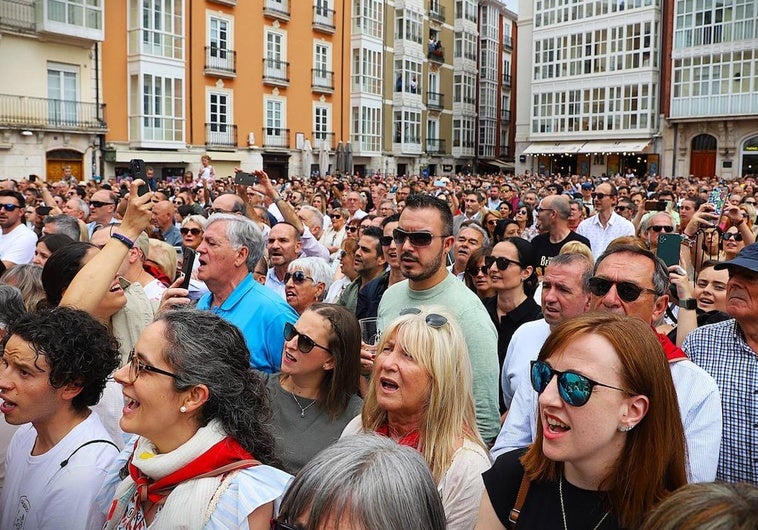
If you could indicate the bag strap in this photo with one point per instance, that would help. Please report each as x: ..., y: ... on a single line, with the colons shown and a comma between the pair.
x: 520, y: 498
x: 85, y: 444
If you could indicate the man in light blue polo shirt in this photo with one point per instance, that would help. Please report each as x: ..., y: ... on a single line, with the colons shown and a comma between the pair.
x: 231, y: 247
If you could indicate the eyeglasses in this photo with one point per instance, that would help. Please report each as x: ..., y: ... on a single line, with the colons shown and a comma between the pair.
x: 298, y: 277
x: 502, y: 263
x: 601, y: 196
x: 474, y: 271
x: 136, y: 366
x: 277, y: 524
x: 750, y: 202
x: 385, y: 241
x: 539, y: 209
x: 304, y: 343
x: 432, y: 319
x: 9, y: 207
x: 657, y: 229
x: 491, y: 222
x: 732, y: 235
x: 621, y: 208
x: 522, y: 212
x: 627, y: 291
x: 574, y: 389
x: 420, y: 238
x: 335, y: 216
x: 352, y: 228
x: 193, y: 231
x: 98, y: 204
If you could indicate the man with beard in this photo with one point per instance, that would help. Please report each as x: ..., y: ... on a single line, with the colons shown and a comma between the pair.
x: 370, y: 296
x: 423, y: 237
x: 17, y: 241
x: 369, y: 264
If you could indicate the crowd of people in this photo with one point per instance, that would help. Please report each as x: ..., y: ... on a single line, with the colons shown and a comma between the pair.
x: 379, y: 352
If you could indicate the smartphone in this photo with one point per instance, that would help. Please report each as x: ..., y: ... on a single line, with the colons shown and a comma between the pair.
x: 668, y: 248
x: 137, y: 169
x: 32, y: 178
x: 187, y: 263
x: 43, y: 210
x: 718, y: 198
x: 245, y: 179
x: 439, y: 184
x: 655, y: 206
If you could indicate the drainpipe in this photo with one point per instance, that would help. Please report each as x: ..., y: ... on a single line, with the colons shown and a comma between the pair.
x: 100, y: 117
x: 673, y: 157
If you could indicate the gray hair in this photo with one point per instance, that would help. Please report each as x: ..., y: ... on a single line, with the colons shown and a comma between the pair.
x: 65, y: 225
x: 660, y: 274
x: 317, y: 218
x: 28, y: 278
x: 317, y: 268
x: 242, y: 232
x: 571, y: 258
x: 11, y: 306
x: 647, y: 223
x: 476, y: 226
x: 199, y: 220
x: 365, y: 481
x: 82, y: 205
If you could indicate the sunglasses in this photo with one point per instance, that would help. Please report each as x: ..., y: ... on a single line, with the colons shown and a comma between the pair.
x: 304, y: 343
x: 621, y: 208
x: 136, y: 366
x: 277, y: 524
x: 522, y: 212
x: 298, y: 277
x: 657, y: 229
x: 474, y: 271
x: 601, y: 196
x: 574, y: 389
x: 750, y: 202
x: 432, y: 319
x: 732, y: 235
x: 385, y: 241
x: 98, y: 204
x: 627, y: 291
x: 335, y: 216
x: 502, y: 263
x: 492, y: 222
x: 9, y: 207
x: 352, y: 228
x: 539, y: 209
x: 193, y: 231
x: 419, y: 238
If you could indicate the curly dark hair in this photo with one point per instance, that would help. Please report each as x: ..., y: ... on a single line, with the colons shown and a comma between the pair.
x: 205, y: 349
x: 79, y: 349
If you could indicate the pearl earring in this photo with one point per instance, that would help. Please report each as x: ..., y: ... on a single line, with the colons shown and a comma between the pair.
x: 182, y: 409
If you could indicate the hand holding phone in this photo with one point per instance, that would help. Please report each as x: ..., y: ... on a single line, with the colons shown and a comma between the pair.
x: 188, y: 261
x: 245, y: 179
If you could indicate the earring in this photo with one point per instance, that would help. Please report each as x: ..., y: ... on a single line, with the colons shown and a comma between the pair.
x: 182, y: 409
x: 625, y: 428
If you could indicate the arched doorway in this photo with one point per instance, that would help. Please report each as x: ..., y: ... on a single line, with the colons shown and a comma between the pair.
x: 703, y: 156
x: 60, y: 158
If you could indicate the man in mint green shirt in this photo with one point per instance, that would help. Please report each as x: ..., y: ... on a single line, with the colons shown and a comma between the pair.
x: 426, y: 230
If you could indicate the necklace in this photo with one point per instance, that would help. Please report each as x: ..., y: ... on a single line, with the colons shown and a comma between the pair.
x: 302, y: 409
x: 563, y: 510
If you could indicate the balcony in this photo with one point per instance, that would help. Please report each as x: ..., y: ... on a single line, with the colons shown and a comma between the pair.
x: 323, y: 20
x: 505, y: 115
x: 322, y: 81
x: 220, y: 62
x: 221, y: 136
x: 436, y: 54
x: 508, y: 42
x: 75, y: 21
x: 435, y: 101
x: 276, y: 9
x: 435, y: 146
x: 506, y: 79
x: 53, y: 114
x: 276, y: 137
x: 18, y: 16
x: 276, y: 72
x: 437, y: 12
x: 320, y: 137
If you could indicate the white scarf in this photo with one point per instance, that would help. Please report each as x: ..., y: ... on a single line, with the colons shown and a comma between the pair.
x: 187, y: 507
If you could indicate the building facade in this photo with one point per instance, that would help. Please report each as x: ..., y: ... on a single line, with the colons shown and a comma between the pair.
x: 711, y: 104
x: 51, y: 107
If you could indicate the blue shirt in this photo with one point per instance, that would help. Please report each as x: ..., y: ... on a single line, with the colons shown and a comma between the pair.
x: 260, y: 314
x: 172, y: 236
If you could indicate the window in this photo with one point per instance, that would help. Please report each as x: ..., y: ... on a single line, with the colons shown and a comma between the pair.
x: 407, y: 126
x: 407, y: 76
x: 321, y: 63
x: 218, y: 108
x: 62, y: 91
x: 368, y: 17
x: 367, y: 124
x: 162, y: 28
x: 367, y: 71
x: 88, y: 14
x: 408, y: 25
x: 320, y: 122
x: 219, y: 37
x: 157, y: 104
x: 322, y: 8
x: 276, y: 66
x: 273, y: 117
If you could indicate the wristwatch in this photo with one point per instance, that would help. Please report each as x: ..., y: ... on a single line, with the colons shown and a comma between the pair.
x: 688, y: 303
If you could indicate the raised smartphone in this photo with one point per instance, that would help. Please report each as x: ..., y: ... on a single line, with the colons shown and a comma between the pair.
x: 668, y: 248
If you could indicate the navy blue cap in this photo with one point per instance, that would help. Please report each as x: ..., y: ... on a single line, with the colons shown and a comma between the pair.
x: 587, y: 185
x: 747, y: 258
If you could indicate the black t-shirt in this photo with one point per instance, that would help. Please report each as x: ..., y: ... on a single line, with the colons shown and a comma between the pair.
x: 542, y: 506
x: 546, y: 250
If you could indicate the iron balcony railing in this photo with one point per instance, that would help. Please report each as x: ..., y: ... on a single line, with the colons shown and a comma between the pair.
x: 276, y: 71
x: 320, y: 137
x: 25, y: 111
x: 277, y: 9
x: 221, y: 135
x: 437, y: 12
x: 322, y: 80
x: 276, y: 137
x: 220, y: 60
x: 435, y: 100
x: 323, y: 19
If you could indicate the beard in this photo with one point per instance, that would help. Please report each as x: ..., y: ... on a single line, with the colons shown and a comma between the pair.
x: 427, y: 270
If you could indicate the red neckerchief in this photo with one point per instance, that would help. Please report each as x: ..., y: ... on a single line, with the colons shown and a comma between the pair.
x: 227, y: 451
x: 157, y: 273
x: 411, y: 439
x: 673, y: 352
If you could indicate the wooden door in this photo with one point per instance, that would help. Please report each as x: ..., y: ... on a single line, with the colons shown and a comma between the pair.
x: 703, y: 164
x: 54, y: 170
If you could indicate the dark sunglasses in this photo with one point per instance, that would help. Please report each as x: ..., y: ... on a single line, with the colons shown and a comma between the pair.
x: 574, y: 389
x: 335, y: 216
x: 304, y: 343
x: 491, y: 222
x: 277, y: 524
x: 98, y: 204
x: 9, y: 207
x: 432, y: 319
x: 522, y: 212
x: 352, y: 228
x: 621, y: 208
x: 474, y: 271
x: 298, y: 277
x: 193, y: 231
x: 601, y: 196
x: 732, y: 235
x: 385, y: 241
x: 657, y: 228
x: 627, y: 291
x: 419, y: 238
x: 502, y: 263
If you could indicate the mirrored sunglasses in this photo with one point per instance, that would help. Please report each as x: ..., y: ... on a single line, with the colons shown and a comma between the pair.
x: 575, y: 389
x: 298, y: 277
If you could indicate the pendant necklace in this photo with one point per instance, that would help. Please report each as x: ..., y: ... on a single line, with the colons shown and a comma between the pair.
x: 563, y: 510
x: 302, y: 409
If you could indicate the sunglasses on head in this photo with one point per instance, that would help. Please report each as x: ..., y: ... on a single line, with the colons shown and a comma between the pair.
x: 574, y: 389
x: 193, y: 231
x: 304, y: 343
x: 432, y: 319
x: 732, y: 235
x: 601, y: 196
x: 657, y: 229
x: 9, y: 207
x: 627, y: 291
x: 501, y: 263
x: 420, y: 238
x: 474, y: 271
x: 98, y: 204
x: 298, y: 277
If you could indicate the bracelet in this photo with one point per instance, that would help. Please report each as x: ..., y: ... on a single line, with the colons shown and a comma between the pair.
x: 125, y: 240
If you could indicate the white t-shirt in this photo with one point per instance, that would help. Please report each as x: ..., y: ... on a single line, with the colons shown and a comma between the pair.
x: 17, y: 246
x: 40, y: 494
x: 154, y: 290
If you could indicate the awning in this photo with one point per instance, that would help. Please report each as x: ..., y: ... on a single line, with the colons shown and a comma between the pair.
x: 554, y: 148
x: 619, y: 146
x: 498, y: 163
